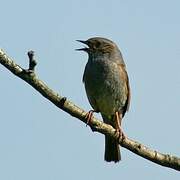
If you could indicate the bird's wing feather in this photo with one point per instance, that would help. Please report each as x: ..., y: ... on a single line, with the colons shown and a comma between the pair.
x: 126, y: 80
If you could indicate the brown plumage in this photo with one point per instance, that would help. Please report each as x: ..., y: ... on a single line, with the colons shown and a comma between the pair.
x: 107, y: 88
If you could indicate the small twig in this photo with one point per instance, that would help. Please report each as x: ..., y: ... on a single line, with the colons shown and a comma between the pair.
x: 62, y: 101
x: 69, y: 107
x: 32, y: 61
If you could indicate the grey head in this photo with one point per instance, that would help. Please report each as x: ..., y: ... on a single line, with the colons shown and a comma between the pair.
x: 98, y: 46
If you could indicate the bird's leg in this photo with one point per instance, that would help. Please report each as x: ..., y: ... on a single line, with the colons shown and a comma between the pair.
x: 89, y: 116
x: 118, y: 120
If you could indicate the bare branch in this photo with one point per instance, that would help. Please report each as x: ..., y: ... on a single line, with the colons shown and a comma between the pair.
x: 31, y: 78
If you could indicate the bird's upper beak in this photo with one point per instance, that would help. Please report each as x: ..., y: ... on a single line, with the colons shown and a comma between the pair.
x: 85, y: 48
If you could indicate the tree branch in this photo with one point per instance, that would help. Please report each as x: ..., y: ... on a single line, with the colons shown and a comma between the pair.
x: 31, y: 78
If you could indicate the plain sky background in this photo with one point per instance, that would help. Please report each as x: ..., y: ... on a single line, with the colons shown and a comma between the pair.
x: 39, y: 141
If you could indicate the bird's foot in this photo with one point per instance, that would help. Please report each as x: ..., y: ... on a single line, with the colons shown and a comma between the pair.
x: 119, y: 133
x: 89, y: 116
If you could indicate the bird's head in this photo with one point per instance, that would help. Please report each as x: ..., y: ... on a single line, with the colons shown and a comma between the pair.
x: 98, y: 45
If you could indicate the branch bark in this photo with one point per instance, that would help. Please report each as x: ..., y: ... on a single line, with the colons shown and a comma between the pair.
x: 31, y: 78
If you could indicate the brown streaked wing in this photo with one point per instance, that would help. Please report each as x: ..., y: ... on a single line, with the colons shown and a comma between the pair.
x: 126, y: 79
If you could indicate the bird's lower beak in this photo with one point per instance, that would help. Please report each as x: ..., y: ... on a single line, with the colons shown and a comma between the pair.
x: 82, y: 49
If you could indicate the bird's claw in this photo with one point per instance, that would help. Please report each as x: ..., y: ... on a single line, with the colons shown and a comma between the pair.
x: 120, y: 134
x: 89, y: 116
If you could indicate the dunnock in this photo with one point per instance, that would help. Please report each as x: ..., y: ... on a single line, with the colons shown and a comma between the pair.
x: 107, y: 87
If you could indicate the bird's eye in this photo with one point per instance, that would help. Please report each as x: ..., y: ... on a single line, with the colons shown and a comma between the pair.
x: 97, y: 44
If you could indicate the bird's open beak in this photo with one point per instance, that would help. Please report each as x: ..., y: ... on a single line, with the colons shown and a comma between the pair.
x: 85, y: 48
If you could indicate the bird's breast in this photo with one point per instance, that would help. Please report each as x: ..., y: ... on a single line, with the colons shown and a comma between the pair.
x: 104, y: 86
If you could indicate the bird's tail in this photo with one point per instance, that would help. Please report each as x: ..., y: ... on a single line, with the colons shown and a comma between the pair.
x: 112, y: 148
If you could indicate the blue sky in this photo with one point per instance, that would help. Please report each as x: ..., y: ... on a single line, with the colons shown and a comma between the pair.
x: 39, y: 141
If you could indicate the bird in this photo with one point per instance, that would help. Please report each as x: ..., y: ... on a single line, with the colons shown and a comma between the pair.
x: 107, y: 87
